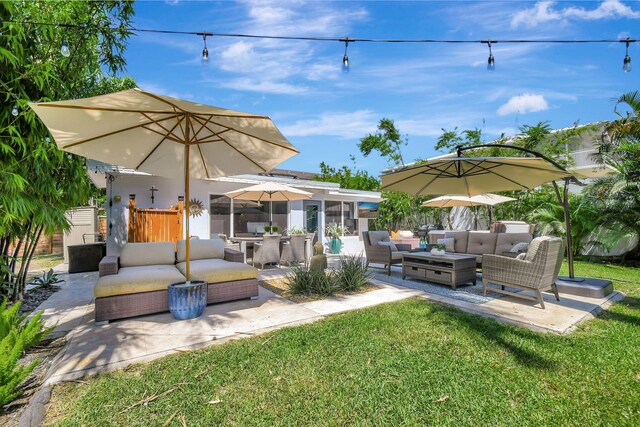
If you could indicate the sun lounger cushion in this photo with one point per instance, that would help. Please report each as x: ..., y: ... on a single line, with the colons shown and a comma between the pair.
x: 133, y: 280
x: 218, y: 270
x: 154, y: 253
x: 201, y: 249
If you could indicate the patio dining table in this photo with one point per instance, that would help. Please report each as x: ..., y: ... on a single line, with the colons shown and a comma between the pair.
x: 246, y: 242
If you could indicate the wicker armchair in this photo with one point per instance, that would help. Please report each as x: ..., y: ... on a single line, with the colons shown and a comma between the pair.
x: 381, y: 253
x: 537, y: 271
x: 267, y: 251
x: 295, y: 250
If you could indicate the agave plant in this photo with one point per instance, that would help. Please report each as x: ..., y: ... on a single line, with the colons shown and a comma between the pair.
x: 47, y: 279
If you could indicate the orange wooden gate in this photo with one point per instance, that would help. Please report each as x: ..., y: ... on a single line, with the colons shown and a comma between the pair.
x: 155, y: 225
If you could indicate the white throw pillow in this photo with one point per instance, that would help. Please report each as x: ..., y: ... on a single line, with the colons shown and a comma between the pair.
x: 449, y: 244
x: 405, y: 234
x: 520, y: 247
x: 522, y: 255
x: 392, y: 245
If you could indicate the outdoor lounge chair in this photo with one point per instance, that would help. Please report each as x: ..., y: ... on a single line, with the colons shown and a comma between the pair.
x: 537, y: 271
x: 379, y: 248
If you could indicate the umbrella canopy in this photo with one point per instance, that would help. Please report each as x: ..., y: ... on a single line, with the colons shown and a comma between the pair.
x: 452, y: 200
x: 165, y: 136
x: 472, y: 176
x: 269, y: 191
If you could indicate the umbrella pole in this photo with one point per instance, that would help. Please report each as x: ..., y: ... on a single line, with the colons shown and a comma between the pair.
x: 564, y: 201
x: 186, y: 194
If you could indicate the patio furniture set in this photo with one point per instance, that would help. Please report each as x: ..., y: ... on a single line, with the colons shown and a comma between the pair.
x: 496, y: 253
x: 275, y: 248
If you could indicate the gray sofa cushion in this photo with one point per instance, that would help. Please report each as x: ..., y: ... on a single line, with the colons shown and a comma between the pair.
x: 506, y: 241
x: 481, y: 243
x: 461, y: 239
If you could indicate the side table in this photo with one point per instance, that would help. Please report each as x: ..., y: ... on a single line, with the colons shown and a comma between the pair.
x: 187, y: 300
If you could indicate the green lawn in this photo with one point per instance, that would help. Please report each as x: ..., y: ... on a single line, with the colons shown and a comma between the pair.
x: 405, y: 363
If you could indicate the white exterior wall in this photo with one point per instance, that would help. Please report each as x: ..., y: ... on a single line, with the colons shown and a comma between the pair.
x: 169, y: 190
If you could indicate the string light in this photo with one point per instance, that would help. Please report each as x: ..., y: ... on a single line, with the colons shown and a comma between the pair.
x: 64, y: 49
x: 15, y: 111
x: 491, y: 62
x: 626, y: 65
x: 205, y: 51
x: 345, y: 58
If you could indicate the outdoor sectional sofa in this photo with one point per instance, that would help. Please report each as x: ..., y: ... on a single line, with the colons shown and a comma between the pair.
x: 136, y: 282
x: 480, y: 243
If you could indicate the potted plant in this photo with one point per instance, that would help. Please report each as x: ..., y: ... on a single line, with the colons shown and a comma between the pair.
x: 438, y: 249
x: 267, y: 229
x: 274, y: 229
x: 334, y: 231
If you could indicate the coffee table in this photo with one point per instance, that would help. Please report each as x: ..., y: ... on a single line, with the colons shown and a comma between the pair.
x: 448, y: 269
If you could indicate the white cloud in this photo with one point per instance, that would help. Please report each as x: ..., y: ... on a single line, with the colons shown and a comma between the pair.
x: 522, y: 104
x: 545, y: 12
x: 344, y: 124
x: 263, y: 86
x: 274, y: 63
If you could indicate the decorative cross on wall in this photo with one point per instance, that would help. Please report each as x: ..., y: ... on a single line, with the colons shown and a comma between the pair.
x: 153, y: 189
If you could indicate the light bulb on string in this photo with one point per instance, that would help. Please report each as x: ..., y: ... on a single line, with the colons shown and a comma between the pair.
x: 626, y: 64
x: 205, y: 51
x: 491, y: 62
x: 14, y: 111
x: 345, y: 58
x: 64, y: 49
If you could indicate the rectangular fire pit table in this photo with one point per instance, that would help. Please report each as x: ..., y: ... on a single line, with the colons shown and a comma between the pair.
x: 448, y: 269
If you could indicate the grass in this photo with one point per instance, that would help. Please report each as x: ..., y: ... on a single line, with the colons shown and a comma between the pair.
x: 408, y: 363
x: 42, y: 263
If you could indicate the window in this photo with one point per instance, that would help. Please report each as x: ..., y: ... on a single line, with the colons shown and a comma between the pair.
x: 250, y: 217
x: 349, y: 219
x: 219, y: 215
x: 332, y: 212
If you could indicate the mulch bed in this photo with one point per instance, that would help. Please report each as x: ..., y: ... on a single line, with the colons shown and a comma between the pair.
x: 281, y: 287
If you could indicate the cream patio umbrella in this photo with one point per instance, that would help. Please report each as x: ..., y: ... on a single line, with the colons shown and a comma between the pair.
x: 166, y: 136
x: 269, y: 191
x: 487, y: 199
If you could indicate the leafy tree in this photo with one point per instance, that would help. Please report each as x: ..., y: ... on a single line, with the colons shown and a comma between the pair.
x: 348, y: 178
x: 452, y: 139
x: 38, y: 182
x: 387, y: 142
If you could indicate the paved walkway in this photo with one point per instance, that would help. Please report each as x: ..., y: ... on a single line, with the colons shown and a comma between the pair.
x: 92, y: 349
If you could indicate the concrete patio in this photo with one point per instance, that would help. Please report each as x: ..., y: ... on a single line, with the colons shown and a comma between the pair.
x: 92, y: 349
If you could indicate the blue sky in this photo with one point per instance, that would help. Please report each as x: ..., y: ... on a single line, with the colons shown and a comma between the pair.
x: 422, y: 87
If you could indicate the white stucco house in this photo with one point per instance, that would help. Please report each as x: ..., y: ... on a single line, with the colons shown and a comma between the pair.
x: 221, y: 215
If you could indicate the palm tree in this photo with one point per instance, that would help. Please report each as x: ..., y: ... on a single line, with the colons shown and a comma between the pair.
x: 619, y: 194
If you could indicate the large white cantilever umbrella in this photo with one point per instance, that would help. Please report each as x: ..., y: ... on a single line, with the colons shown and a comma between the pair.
x: 166, y: 136
x: 269, y: 191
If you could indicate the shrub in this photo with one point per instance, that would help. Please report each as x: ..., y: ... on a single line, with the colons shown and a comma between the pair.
x: 16, y: 336
x: 302, y: 280
x: 353, y: 273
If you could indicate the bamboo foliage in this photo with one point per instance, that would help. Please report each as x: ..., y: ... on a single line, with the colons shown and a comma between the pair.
x: 38, y: 182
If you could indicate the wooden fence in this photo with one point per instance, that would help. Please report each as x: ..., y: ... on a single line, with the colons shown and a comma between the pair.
x: 155, y: 225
